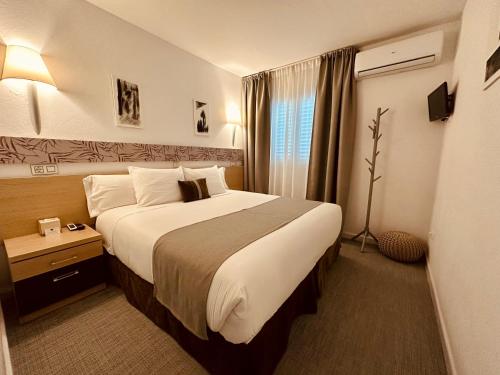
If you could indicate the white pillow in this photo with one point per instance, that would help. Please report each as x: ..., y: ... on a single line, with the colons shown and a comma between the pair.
x: 108, y: 191
x: 212, y: 175
x: 222, y: 172
x: 156, y: 186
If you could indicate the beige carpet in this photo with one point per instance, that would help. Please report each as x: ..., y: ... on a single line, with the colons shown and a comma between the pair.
x: 375, y: 317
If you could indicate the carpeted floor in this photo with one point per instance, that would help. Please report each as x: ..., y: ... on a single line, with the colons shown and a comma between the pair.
x: 375, y: 317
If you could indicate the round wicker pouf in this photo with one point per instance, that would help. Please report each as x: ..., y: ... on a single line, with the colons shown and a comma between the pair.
x: 401, y: 246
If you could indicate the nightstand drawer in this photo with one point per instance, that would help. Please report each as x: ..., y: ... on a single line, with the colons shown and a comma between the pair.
x: 38, y: 265
x: 40, y: 291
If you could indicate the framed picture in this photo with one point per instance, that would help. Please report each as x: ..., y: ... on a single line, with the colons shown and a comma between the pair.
x: 492, y: 72
x: 126, y: 102
x: 201, y: 117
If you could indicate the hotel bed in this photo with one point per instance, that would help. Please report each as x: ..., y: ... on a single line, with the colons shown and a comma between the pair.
x: 254, y: 295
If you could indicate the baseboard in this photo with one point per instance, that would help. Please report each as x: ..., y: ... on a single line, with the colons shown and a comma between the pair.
x: 445, y: 341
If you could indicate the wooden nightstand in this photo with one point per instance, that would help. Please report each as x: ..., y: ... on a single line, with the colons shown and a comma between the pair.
x: 52, y: 271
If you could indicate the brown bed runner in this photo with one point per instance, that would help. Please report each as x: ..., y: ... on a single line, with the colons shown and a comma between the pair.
x: 185, y: 260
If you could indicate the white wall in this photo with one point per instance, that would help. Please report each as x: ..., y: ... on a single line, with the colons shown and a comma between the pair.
x: 83, y: 46
x: 464, y: 256
x: 409, y: 148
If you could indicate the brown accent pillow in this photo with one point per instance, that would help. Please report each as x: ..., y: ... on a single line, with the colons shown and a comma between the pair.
x: 194, y: 190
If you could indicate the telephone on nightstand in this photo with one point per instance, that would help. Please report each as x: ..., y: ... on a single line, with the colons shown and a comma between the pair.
x: 72, y: 226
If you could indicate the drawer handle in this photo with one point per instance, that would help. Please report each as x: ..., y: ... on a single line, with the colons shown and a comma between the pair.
x: 65, y: 276
x: 55, y: 262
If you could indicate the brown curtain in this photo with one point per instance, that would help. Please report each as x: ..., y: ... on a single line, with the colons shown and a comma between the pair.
x: 333, y: 128
x: 257, y: 127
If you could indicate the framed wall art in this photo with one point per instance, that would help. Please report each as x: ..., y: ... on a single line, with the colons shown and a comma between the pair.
x: 126, y: 102
x: 201, y: 117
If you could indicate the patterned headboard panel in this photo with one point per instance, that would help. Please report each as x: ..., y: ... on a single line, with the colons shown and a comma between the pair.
x: 17, y: 150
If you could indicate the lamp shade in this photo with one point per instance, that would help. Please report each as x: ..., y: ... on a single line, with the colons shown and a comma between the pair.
x: 25, y: 63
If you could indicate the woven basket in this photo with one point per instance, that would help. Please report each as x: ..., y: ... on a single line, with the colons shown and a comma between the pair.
x: 401, y: 246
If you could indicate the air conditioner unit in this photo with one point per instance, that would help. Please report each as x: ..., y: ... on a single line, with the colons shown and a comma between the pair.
x: 414, y: 53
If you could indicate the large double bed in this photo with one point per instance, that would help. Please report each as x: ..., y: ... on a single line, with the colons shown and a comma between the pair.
x: 254, y: 295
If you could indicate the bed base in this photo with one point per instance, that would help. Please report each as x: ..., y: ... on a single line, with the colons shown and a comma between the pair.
x: 218, y: 356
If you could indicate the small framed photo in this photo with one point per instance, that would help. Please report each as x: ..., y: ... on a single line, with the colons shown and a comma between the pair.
x: 127, y: 103
x: 492, y: 72
x: 201, y: 117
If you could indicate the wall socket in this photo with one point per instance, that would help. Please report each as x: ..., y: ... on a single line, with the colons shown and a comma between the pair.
x: 43, y: 169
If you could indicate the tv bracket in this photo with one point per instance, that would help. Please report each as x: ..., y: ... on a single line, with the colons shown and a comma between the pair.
x: 451, y: 106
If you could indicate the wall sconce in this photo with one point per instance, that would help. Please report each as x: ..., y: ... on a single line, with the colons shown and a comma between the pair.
x: 235, y: 127
x: 25, y: 63
x: 233, y: 117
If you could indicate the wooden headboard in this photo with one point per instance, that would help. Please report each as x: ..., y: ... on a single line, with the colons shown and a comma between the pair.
x: 23, y: 201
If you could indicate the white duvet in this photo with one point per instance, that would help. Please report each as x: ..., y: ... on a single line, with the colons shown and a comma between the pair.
x: 252, y: 284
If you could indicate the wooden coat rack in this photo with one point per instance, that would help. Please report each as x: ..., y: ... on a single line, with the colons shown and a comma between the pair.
x: 376, y: 135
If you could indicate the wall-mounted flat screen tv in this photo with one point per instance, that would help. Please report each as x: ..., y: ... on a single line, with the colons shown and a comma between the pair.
x: 440, y: 103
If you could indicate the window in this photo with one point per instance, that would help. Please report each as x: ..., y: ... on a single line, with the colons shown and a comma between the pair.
x: 305, y: 128
x: 293, y: 94
x: 291, y: 128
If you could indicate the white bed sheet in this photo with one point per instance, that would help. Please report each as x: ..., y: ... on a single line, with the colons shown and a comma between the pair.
x: 252, y: 284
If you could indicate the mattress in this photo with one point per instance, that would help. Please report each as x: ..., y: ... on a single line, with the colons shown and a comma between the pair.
x: 253, y: 283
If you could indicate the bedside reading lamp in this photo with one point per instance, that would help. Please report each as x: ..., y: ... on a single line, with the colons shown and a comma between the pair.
x: 25, y: 63
x: 233, y: 118
x: 235, y: 128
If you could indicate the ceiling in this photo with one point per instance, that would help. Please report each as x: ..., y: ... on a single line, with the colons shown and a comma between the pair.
x: 245, y: 37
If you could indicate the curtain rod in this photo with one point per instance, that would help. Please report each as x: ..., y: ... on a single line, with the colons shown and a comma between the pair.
x: 293, y: 63
x: 296, y: 62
